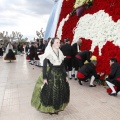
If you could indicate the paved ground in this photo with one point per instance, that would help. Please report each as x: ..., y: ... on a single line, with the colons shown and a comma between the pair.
x: 17, y: 80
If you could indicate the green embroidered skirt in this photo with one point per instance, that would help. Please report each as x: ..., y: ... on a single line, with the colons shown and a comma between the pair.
x: 53, y: 97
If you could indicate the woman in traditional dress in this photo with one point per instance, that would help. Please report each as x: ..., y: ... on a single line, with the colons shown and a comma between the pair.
x: 51, y: 92
x: 9, y: 53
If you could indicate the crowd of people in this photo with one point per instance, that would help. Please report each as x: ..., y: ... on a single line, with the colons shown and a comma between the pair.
x: 33, y: 50
x: 61, y: 62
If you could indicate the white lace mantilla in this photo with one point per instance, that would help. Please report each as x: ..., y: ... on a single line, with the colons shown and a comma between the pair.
x: 51, y: 56
x: 54, y: 59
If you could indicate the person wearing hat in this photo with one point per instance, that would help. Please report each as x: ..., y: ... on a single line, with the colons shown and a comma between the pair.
x: 88, y: 71
x: 67, y: 52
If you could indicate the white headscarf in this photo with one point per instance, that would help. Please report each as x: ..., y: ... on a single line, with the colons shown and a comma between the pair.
x: 9, y: 46
x: 49, y: 54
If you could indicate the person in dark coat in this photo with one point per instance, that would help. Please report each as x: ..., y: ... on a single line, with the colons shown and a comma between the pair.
x: 36, y: 54
x: 18, y: 48
x: 61, y: 43
x: 41, y: 47
x: 114, y: 77
x: 26, y: 48
x: 88, y: 71
x: 76, y: 49
x: 32, y: 53
x: 67, y: 51
x: 45, y: 43
x: 81, y: 57
x: 21, y: 49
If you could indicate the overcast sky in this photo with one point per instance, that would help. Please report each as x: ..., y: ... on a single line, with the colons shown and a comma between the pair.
x: 24, y: 16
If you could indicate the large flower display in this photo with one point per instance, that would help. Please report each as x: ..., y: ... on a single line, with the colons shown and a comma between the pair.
x: 98, y: 27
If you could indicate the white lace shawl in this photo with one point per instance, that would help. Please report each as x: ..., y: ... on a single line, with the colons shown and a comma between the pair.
x: 9, y: 46
x: 51, y: 56
x: 54, y: 59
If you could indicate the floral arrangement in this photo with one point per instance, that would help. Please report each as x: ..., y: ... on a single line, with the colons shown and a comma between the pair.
x: 79, y: 3
x: 85, y: 4
x: 98, y: 27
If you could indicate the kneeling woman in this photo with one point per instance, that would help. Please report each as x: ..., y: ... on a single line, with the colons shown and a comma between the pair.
x: 9, y: 53
x: 51, y: 92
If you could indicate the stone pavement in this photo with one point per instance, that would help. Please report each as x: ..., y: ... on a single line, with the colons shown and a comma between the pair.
x: 17, y: 80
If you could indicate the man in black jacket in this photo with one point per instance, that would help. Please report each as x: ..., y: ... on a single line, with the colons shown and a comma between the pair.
x: 76, y: 49
x: 81, y: 57
x: 32, y: 53
x: 88, y: 71
x: 114, y: 77
x: 67, y: 51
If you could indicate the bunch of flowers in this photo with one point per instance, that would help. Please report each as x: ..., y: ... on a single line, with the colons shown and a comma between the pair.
x: 98, y: 27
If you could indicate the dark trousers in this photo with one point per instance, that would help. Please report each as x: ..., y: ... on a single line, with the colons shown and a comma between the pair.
x: 32, y: 55
x: 68, y: 64
x: 78, y: 64
x: 73, y: 62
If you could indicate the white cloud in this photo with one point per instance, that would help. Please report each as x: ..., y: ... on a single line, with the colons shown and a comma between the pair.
x: 24, y: 16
